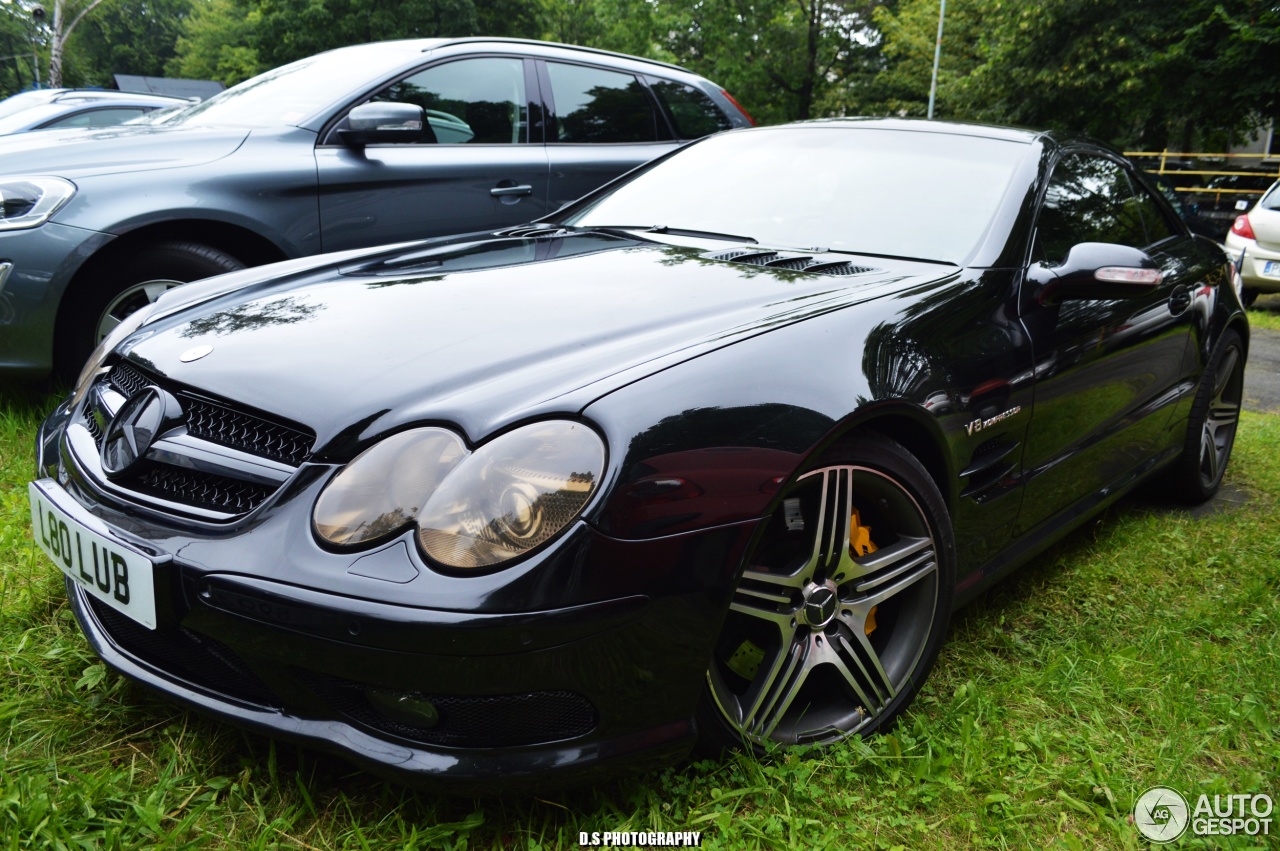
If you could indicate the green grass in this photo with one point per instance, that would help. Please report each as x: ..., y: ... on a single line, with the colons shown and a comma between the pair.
x: 1145, y: 650
x: 1265, y: 312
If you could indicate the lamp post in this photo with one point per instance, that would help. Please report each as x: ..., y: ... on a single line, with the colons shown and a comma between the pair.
x: 37, y: 16
x: 937, y: 55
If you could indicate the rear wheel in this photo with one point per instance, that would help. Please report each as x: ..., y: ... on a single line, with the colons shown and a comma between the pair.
x: 137, y: 282
x: 840, y: 614
x: 1211, y: 428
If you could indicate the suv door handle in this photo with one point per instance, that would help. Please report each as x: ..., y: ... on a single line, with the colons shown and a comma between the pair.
x: 507, y: 191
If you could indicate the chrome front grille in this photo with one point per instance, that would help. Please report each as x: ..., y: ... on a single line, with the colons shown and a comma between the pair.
x: 217, y: 462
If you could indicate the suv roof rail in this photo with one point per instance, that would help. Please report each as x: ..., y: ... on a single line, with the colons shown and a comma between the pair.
x: 538, y: 42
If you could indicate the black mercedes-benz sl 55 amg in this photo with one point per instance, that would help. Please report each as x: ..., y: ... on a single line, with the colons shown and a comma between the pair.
x: 708, y: 456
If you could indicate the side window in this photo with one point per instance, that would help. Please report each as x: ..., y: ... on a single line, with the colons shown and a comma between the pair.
x: 1088, y: 200
x: 97, y: 117
x: 695, y: 115
x: 593, y: 105
x: 1157, y: 224
x: 471, y: 101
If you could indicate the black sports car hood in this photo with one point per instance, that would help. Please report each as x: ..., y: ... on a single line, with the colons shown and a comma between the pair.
x: 81, y: 153
x: 483, y: 334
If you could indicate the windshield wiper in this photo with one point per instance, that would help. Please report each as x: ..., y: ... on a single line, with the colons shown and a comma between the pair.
x: 627, y: 231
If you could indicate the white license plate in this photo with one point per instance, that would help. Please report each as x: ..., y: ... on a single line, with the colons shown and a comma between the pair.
x: 122, y: 578
x: 1272, y: 267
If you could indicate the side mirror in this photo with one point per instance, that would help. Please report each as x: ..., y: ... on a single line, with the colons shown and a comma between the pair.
x: 1097, y: 270
x: 375, y: 123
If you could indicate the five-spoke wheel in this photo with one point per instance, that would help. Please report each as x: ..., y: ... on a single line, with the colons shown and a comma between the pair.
x: 1211, y: 428
x: 839, y: 614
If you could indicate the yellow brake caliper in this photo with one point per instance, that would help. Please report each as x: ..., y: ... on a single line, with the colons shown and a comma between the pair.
x: 860, y: 544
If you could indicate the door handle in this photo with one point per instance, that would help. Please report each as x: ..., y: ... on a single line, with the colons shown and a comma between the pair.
x: 1179, y: 299
x: 508, y: 191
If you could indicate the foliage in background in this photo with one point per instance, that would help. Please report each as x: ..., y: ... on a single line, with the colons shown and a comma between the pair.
x: 1136, y: 73
x: 217, y: 43
x: 783, y: 59
x: 17, y: 36
x: 124, y: 37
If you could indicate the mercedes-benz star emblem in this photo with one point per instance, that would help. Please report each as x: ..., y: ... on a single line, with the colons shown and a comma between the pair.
x: 148, y: 413
x: 820, y: 607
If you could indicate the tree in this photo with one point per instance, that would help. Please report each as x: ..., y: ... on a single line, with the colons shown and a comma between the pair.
x: 1137, y: 73
x: 125, y: 37
x: 231, y: 40
x: 60, y: 29
x: 783, y: 58
x: 217, y: 42
x: 18, y: 68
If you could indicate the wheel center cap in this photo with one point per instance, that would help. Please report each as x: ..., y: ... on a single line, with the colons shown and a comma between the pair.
x: 820, y: 605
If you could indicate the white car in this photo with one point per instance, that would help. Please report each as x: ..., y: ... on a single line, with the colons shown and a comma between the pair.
x: 1256, y: 235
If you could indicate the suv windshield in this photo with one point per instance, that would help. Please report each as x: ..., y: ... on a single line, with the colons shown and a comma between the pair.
x: 288, y: 94
x: 859, y: 190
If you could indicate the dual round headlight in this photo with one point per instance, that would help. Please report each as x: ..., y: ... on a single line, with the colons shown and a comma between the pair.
x: 471, y: 509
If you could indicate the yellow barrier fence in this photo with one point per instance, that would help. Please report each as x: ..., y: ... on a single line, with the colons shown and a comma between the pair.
x: 1176, y: 164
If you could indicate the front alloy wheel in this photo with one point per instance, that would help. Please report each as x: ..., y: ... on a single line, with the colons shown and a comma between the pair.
x: 1212, y: 425
x: 840, y: 613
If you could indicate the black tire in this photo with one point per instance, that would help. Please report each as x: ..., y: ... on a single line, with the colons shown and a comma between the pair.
x: 1248, y: 296
x: 125, y: 288
x: 818, y: 645
x: 1211, y: 427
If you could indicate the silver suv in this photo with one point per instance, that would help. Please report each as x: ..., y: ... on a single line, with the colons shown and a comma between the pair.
x: 377, y: 143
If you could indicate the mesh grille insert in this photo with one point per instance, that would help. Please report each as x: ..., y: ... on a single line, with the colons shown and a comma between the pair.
x: 220, y: 424
x: 206, y: 490
x: 127, y: 380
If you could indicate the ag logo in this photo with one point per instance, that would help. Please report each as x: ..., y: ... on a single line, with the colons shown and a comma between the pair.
x: 139, y: 421
x: 1161, y: 814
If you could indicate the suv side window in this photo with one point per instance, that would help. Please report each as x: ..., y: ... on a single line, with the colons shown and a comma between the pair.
x: 694, y: 114
x: 1088, y: 200
x: 97, y: 117
x: 470, y: 101
x: 594, y: 105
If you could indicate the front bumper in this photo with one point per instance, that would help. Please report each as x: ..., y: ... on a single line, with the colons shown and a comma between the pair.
x: 600, y: 674
x: 44, y: 259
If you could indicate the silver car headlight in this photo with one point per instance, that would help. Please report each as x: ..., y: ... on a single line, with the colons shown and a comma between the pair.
x: 381, y: 492
x: 475, y: 510
x: 28, y: 202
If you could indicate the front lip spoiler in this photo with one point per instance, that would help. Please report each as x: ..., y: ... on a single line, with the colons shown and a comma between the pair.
x: 455, y: 772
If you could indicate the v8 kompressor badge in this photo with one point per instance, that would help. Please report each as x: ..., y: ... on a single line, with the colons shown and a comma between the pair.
x: 979, y: 424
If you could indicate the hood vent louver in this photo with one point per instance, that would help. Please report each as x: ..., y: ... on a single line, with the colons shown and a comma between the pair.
x: 821, y: 264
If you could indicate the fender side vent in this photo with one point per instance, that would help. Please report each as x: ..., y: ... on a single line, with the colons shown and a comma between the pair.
x: 990, y: 463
